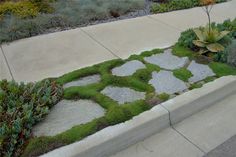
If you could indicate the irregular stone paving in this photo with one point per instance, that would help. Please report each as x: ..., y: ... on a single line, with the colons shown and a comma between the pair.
x: 199, y: 71
x: 67, y: 114
x: 166, y: 82
x: 167, y: 60
x: 123, y: 94
x: 84, y: 81
x: 129, y: 68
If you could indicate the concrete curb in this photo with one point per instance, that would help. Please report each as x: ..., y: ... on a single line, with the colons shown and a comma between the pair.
x: 196, y: 100
x: 115, y: 138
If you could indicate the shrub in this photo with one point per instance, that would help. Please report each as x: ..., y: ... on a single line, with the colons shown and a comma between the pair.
x: 231, y: 53
x: 23, y: 9
x: 21, y: 107
x: 186, y: 39
x: 176, y: 5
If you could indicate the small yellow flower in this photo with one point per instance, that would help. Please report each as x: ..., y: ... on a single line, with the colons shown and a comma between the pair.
x: 207, y: 2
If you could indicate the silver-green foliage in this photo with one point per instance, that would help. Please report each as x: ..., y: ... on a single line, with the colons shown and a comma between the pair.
x: 21, y: 107
x: 231, y: 52
x: 67, y: 13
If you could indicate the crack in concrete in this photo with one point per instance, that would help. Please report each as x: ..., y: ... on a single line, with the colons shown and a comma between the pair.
x: 157, y: 20
x: 8, y: 66
x: 172, y: 126
x: 101, y: 44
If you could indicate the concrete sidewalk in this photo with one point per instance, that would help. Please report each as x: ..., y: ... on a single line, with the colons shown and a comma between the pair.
x: 194, y: 136
x: 54, y: 54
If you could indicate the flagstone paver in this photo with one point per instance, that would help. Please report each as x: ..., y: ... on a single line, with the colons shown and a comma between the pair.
x: 84, y: 81
x: 199, y: 71
x: 128, y: 68
x: 165, y: 82
x: 67, y: 114
x: 123, y: 94
x: 167, y: 60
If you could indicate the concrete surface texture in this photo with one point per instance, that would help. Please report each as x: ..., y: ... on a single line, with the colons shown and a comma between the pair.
x: 123, y: 94
x: 167, y: 60
x: 194, y: 136
x: 54, y: 54
x: 129, y: 68
x: 83, y: 81
x: 67, y: 114
x: 4, y: 69
x: 227, y: 149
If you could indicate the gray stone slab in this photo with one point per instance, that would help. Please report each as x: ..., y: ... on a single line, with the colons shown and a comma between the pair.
x: 123, y: 94
x: 227, y: 149
x: 167, y: 60
x: 84, y: 81
x: 199, y: 71
x: 166, y: 82
x: 128, y: 68
x: 67, y: 114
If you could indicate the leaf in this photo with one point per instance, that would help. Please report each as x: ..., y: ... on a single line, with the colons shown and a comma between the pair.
x: 202, y: 51
x: 222, y: 34
x: 215, y: 47
x: 199, y: 34
x: 199, y: 43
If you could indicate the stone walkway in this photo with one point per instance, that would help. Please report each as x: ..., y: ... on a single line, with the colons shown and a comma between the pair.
x: 67, y: 114
x: 55, y: 54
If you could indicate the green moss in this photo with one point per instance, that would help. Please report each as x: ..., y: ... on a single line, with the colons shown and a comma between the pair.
x: 77, y: 74
x: 40, y: 145
x: 182, y: 74
x: 209, y: 79
x: 221, y: 69
x: 164, y: 96
x: 182, y: 51
x: 195, y: 85
x: 136, y: 108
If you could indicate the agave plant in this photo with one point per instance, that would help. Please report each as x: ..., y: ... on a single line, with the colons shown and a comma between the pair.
x: 209, y: 40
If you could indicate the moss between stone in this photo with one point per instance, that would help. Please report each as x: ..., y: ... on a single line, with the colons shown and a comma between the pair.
x: 181, y: 51
x: 182, y: 74
x: 221, y: 69
x: 164, y: 96
x: 115, y: 113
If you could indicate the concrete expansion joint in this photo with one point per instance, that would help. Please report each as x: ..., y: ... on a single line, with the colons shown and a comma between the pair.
x: 8, y: 66
x: 172, y: 126
x: 156, y: 20
x: 188, y: 140
x: 101, y: 44
x: 168, y: 113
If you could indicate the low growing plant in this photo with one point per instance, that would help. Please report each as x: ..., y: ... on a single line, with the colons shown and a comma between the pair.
x: 209, y: 40
x: 21, y: 107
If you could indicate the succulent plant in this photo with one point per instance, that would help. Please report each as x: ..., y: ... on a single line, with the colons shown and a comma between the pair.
x: 209, y: 41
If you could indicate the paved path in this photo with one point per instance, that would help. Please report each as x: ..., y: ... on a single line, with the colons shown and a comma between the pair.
x: 54, y: 54
x: 227, y: 149
x: 194, y: 136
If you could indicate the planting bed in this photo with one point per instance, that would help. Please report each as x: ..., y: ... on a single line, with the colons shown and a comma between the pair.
x: 121, y: 97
